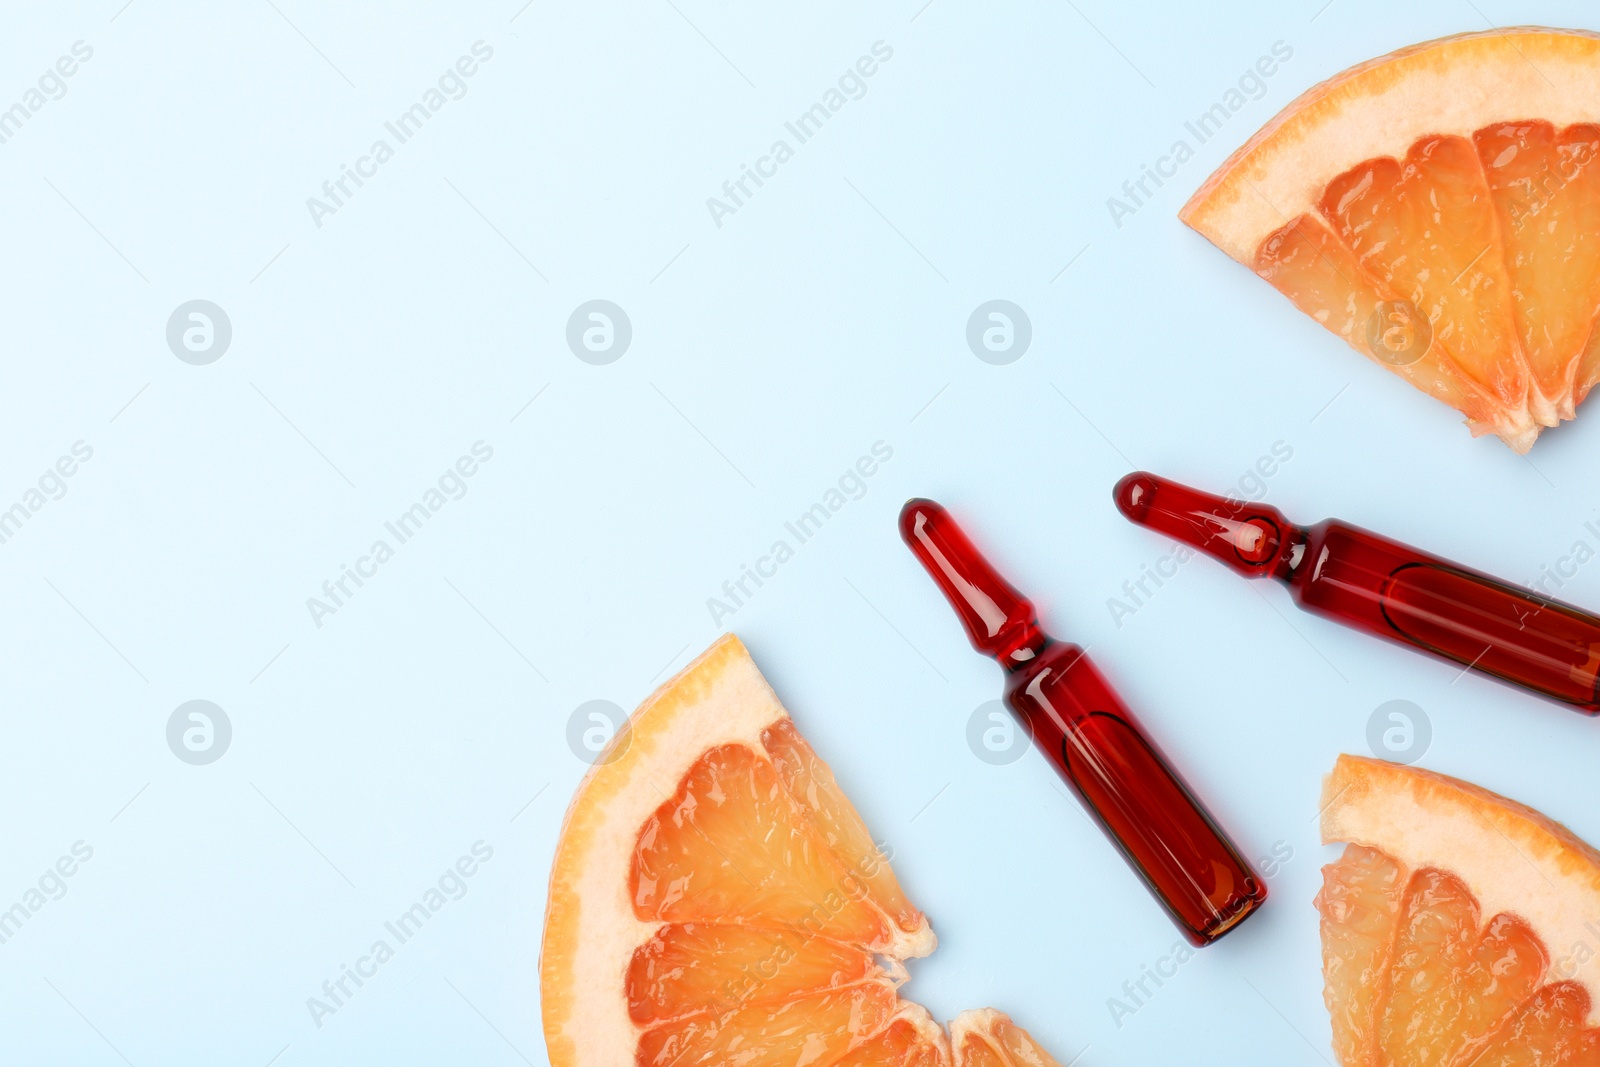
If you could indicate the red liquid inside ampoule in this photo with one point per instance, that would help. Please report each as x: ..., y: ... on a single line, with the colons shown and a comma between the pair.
x: 1092, y: 739
x: 1387, y: 588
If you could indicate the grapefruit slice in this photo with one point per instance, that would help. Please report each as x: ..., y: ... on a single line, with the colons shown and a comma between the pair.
x: 716, y: 899
x: 1439, y: 209
x: 1458, y: 927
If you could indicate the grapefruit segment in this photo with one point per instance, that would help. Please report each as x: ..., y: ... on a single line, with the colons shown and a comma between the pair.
x: 811, y: 783
x: 912, y: 1039
x: 983, y: 1037
x: 816, y: 1028
x: 1430, y: 964
x: 1508, y: 963
x: 1320, y: 273
x: 717, y: 899
x: 698, y: 859
x: 1546, y: 1029
x: 1423, y: 228
x: 1437, y: 924
x: 1359, y: 901
x: 1588, y: 367
x: 1447, y: 194
x: 1545, y: 187
x: 698, y: 967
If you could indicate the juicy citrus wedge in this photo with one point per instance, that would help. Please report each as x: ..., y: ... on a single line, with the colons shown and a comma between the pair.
x: 1458, y: 927
x: 1439, y: 209
x: 716, y: 899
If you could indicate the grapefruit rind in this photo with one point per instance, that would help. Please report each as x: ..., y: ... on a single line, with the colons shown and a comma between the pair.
x: 1455, y: 85
x: 1512, y: 858
x: 591, y: 929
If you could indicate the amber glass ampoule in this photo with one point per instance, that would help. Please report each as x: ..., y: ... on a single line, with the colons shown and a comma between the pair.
x: 1092, y: 739
x: 1386, y: 588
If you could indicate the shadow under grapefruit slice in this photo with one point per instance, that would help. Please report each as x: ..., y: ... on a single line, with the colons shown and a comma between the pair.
x: 1439, y: 209
x: 1459, y: 928
x: 716, y: 899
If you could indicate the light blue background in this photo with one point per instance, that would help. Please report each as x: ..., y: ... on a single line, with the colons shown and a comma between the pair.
x: 768, y: 354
